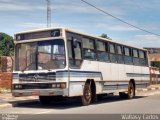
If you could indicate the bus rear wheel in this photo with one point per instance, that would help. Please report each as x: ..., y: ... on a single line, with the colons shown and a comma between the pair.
x: 131, y: 90
x: 87, y: 94
x: 45, y: 100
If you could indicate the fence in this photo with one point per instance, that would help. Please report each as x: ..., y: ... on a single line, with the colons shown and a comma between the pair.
x: 154, y: 75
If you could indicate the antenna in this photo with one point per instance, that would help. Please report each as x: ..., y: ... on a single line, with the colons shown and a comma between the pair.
x: 48, y: 13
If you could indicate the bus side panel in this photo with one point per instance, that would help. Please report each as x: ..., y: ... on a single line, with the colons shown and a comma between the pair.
x: 137, y: 70
x: 122, y: 75
x: 146, y: 74
x: 114, y: 72
x: 105, y: 69
x: 128, y: 71
x: 78, y: 77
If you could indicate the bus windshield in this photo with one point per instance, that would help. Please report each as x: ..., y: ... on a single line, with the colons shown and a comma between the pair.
x: 41, y: 55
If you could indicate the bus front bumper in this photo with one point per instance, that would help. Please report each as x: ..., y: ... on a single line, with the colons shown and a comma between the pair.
x: 40, y: 92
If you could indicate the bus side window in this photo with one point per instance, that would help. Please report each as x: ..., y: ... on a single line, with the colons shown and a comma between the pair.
x: 128, y: 56
x: 102, y: 52
x: 70, y: 52
x: 142, y: 58
x: 74, y: 53
x: 135, y: 57
x: 113, y: 57
x: 120, y: 54
x: 88, y: 49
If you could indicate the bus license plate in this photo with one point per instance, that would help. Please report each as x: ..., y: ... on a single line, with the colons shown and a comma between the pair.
x: 35, y: 93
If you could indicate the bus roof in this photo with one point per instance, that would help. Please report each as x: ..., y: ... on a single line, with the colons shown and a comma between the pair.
x: 80, y: 33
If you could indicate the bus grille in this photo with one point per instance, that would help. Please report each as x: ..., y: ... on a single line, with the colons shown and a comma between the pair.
x: 37, y: 77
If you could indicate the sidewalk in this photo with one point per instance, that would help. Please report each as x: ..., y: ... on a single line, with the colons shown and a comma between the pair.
x: 7, y: 100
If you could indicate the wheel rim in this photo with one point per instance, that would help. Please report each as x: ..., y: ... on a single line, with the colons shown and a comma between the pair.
x: 131, y: 91
x: 87, y: 94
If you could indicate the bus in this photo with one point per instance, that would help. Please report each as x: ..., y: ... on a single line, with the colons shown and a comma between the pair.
x: 58, y: 62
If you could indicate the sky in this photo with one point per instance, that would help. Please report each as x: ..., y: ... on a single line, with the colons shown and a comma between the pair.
x: 20, y: 15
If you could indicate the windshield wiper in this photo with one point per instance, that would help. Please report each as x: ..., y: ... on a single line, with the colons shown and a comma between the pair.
x: 46, y: 66
x: 27, y: 66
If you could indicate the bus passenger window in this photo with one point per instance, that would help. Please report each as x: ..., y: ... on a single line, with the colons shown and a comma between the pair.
x: 119, y: 52
x: 127, y: 57
x: 135, y: 57
x: 142, y: 58
x: 101, y: 51
x: 113, y: 57
x: 77, y: 51
x: 70, y: 54
x: 88, y: 49
x: 74, y: 53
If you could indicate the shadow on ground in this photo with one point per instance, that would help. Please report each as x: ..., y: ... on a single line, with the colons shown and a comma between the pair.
x: 67, y: 102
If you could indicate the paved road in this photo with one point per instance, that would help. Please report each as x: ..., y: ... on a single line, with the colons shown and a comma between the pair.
x: 107, y: 105
x: 102, y: 110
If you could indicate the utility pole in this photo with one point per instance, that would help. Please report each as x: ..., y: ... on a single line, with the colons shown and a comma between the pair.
x: 48, y: 13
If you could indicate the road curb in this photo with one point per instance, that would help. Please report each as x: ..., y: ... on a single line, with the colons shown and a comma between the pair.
x: 17, y: 103
x: 24, y: 102
x: 148, y: 89
x: 6, y: 105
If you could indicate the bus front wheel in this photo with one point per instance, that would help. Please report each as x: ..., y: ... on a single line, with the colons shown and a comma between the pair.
x: 87, y: 94
x: 131, y: 90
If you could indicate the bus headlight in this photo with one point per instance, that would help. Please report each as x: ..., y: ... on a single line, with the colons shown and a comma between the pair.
x: 18, y: 86
x: 15, y: 78
x: 53, y: 85
x: 62, y: 85
x: 59, y: 85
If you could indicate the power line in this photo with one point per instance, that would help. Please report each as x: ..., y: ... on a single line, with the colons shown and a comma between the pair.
x: 120, y: 19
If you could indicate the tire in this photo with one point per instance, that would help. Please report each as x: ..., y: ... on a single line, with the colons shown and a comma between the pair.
x: 131, y: 90
x: 87, y: 94
x: 45, y: 100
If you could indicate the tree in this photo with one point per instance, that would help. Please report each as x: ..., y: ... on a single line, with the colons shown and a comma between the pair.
x: 105, y: 36
x: 155, y: 64
x: 6, y: 45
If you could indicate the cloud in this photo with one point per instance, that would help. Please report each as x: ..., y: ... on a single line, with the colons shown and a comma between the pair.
x: 143, y: 40
x: 121, y: 28
x: 62, y: 6
x: 32, y: 25
x: 150, y: 38
x: 11, y: 5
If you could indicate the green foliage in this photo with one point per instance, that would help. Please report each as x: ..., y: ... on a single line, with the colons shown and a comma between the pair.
x: 105, y: 36
x: 155, y: 64
x: 6, y: 45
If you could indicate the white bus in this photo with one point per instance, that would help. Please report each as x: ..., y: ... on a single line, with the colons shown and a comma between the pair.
x: 58, y: 62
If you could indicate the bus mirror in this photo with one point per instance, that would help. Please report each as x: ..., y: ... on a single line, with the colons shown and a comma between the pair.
x: 75, y: 43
